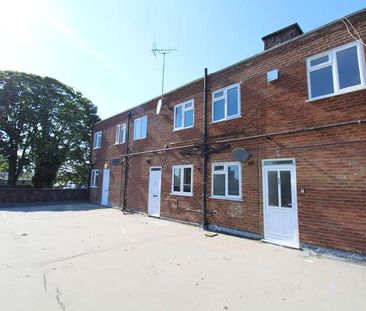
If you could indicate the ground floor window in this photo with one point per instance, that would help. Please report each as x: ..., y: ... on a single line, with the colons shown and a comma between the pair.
x: 94, y: 179
x: 182, y: 179
x: 226, y: 180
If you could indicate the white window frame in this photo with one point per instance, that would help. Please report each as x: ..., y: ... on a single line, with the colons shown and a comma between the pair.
x: 120, y: 128
x: 184, y: 109
x: 224, y: 96
x: 97, y: 142
x: 332, y: 61
x: 225, y: 171
x: 134, y: 128
x: 93, y: 178
x: 182, y: 167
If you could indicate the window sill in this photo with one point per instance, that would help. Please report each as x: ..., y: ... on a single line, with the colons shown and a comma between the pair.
x: 116, y: 144
x: 226, y: 198
x: 96, y: 148
x: 350, y: 90
x: 182, y: 194
x: 142, y: 138
x: 183, y: 128
x: 227, y: 119
x: 93, y: 187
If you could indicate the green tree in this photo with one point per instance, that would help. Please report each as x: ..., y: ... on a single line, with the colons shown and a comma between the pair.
x: 66, y: 120
x: 3, y: 164
x: 57, y: 126
x: 18, y: 122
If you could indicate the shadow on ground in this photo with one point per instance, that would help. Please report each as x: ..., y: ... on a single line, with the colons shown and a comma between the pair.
x: 51, y: 207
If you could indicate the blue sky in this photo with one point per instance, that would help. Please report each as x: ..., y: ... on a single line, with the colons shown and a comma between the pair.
x: 103, y: 48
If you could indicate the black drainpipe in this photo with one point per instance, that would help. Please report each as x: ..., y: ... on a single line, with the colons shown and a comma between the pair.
x: 205, y: 152
x: 90, y: 164
x: 124, y: 204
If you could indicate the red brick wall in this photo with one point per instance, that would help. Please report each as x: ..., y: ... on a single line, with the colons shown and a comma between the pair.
x: 332, y: 211
x: 330, y: 163
x: 172, y: 206
x: 41, y: 195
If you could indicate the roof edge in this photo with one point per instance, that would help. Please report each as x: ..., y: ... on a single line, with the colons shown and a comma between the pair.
x: 242, y: 61
x: 295, y: 25
x: 152, y: 99
x: 289, y: 41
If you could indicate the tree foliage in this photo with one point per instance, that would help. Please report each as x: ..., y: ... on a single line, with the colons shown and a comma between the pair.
x: 44, y: 124
x: 3, y: 164
x: 18, y: 125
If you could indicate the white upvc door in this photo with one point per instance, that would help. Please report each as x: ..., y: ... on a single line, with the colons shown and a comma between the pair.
x: 154, y: 192
x: 280, y: 203
x: 105, y: 187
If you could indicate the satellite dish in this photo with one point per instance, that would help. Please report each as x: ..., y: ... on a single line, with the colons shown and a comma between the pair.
x: 240, y: 154
x: 158, y: 107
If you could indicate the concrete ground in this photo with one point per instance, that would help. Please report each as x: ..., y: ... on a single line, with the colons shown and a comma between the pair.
x: 81, y: 257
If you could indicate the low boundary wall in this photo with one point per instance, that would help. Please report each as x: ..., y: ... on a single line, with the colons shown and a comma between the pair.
x: 9, y: 196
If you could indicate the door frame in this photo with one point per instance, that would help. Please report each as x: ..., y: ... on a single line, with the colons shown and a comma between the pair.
x: 295, y: 243
x: 103, y: 181
x: 148, y: 193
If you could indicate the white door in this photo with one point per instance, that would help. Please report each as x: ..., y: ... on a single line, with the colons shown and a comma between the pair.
x: 280, y: 202
x: 153, y: 208
x: 105, y: 187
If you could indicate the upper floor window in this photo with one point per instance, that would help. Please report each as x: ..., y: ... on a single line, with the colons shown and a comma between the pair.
x: 97, y: 143
x: 226, y: 103
x: 182, y: 182
x: 120, y: 137
x: 337, y: 71
x: 140, y: 128
x: 226, y: 180
x: 184, y: 115
x: 94, y: 178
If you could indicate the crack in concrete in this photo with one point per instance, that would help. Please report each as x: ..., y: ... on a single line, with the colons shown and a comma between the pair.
x: 79, y: 255
x: 107, y: 250
x: 44, y: 281
x: 58, y: 299
x: 121, y: 247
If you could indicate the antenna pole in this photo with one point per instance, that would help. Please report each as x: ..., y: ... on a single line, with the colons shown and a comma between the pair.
x: 162, y: 80
x: 156, y: 50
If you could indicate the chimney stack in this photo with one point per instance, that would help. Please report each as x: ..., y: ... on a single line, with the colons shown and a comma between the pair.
x: 281, y: 36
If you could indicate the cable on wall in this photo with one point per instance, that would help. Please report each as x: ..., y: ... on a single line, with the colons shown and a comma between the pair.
x: 358, y: 38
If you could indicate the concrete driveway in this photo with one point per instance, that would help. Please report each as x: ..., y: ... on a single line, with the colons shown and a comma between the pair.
x: 81, y: 257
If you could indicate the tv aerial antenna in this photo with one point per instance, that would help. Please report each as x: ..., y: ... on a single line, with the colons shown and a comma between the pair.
x: 157, y: 51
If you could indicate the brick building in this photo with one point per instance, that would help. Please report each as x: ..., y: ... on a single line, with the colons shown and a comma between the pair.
x: 278, y: 139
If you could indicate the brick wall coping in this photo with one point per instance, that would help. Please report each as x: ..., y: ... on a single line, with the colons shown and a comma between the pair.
x: 16, y: 195
x: 39, y: 189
